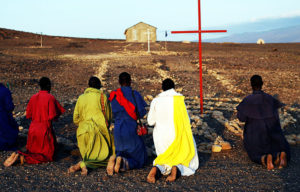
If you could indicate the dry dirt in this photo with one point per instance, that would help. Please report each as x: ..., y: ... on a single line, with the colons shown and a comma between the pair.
x: 69, y: 62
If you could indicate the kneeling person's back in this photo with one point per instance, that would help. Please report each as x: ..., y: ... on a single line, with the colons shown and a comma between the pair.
x: 172, y: 135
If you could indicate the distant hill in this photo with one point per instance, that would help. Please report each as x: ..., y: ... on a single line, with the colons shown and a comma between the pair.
x: 275, y: 30
x: 11, y: 34
x: 282, y: 35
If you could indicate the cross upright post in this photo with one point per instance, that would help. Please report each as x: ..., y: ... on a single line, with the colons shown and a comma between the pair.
x: 200, y: 31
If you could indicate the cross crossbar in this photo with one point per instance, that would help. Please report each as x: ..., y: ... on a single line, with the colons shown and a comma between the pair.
x: 202, y: 31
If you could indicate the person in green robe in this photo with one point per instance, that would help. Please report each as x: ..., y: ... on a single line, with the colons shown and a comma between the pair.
x: 93, y: 115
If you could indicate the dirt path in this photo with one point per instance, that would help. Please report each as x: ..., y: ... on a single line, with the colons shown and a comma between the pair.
x: 224, y: 81
x: 101, y: 71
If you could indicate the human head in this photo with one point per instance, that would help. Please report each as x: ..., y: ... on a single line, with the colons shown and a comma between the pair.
x: 124, y: 79
x: 95, y: 82
x: 45, y: 84
x: 256, y: 82
x: 168, y: 84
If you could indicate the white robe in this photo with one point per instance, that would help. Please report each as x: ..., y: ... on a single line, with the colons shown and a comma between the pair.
x: 161, y: 115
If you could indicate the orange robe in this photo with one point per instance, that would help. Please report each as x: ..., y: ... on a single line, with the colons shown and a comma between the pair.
x: 42, y: 109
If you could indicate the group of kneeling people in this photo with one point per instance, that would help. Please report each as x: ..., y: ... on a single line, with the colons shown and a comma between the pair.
x: 124, y: 149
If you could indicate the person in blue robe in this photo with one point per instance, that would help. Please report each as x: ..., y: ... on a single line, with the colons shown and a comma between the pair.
x: 130, y: 149
x: 263, y: 138
x: 8, y: 126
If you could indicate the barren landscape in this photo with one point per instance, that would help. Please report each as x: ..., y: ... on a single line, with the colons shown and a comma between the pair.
x: 227, y: 68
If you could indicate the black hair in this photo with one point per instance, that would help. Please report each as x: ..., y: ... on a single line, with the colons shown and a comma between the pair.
x: 45, y: 83
x: 125, y: 79
x: 168, y: 84
x: 95, y: 82
x: 256, y: 82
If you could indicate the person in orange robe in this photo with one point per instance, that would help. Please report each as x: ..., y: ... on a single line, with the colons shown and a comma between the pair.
x: 42, y: 109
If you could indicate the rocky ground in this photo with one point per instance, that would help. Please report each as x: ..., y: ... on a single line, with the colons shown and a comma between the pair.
x: 69, y: 62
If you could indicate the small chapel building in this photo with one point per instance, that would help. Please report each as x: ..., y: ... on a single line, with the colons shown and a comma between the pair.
x: 140, y: 32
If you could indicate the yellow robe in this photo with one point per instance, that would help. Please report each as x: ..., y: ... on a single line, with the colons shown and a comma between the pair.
x: 182, y: 150
x: 94, y: 139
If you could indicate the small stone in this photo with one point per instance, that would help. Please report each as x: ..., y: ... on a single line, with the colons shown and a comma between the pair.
x: 225, y: 145
x: 200, y: 132
x: 216, y: 148
x: 298, y: 139
x: 294, y: 136
x: 104, y: 178
x: 20, y: 128
x: 194, y: 125
x: 201, y: 148
x: 199, y: 123
x: 209, y: 146
x: 291, y: 141
x: 210, y: 137
x: 149, y: 97
x: 218, y: 140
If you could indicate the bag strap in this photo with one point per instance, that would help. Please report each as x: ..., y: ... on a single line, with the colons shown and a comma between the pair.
x: 103, y: 108
x: 136, y: 109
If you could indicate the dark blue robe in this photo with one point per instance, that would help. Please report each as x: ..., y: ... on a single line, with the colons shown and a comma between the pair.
x: 262, y: 131
x: 8, y: 126
x: 128, y: 144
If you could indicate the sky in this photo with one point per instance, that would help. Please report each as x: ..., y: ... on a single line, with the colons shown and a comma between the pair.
x: 108, y: 19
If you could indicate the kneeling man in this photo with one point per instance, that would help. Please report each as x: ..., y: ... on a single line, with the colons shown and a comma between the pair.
x: 93, y: 114
x: 263, y: 137
x: 172, y: 135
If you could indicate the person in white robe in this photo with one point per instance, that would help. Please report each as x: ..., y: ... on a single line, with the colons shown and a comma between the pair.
x: 172, y: 135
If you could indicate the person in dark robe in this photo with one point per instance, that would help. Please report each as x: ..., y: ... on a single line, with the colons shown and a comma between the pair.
x: 130, y: 148
x: 8, y: 126
x: 42, y: 109
x: 263, y: 138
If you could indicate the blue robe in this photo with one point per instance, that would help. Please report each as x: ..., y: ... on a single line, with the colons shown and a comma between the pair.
x: 8, y: 126
x: 128, y: 144
x: 262, y: 131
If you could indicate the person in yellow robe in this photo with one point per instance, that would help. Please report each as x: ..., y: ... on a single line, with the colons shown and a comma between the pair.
x: 172, y: 136
x: 93, y: 115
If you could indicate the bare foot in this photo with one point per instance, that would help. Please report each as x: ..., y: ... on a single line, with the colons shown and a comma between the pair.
x: 270, y: 165
x: 118, y: 164
x: 151, y: 176
x: 22, y: 159
x: 84, y: 171
x: 11, y: 159
x: 172, y: 176
x: 277, y: 161
x: 111, y: 165
x: 263, y: 160
x: 283, y: 160
x: 74, y: 168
